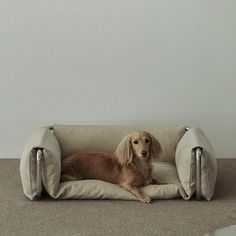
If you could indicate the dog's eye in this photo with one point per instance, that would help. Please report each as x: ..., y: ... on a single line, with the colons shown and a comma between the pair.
x: 135, y: 141
x: 147, y: 140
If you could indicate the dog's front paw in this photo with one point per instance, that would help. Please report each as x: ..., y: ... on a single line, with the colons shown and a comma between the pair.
x: 145, y: 199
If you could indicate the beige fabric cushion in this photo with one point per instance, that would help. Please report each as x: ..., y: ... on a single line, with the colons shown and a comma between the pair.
x: 93, y: 138
x: 97, y: 189
x: 186, y: 164
x: 164, y: 172
x: 86, y: 138
x: 106, y: 138
x: 42, y: 138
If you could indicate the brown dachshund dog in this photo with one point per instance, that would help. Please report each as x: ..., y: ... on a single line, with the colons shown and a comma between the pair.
x: 129, y: 166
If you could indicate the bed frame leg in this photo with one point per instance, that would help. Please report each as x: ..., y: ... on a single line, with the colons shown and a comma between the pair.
x: 198, y: 154
x: 39, y: 161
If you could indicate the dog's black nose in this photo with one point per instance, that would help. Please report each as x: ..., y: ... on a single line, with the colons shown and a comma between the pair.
x: 144, y: 153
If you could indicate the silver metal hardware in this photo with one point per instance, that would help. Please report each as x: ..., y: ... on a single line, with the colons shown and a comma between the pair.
x: 51, y: 128
x: 198, y: 154
x: 39, y: 161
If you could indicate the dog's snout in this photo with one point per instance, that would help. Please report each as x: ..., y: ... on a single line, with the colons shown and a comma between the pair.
x: 144, y: 153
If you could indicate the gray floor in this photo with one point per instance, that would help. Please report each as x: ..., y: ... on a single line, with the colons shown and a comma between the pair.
x: 20, y: 216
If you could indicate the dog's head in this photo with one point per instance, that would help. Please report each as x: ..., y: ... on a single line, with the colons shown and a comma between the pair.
x: 138, y: 144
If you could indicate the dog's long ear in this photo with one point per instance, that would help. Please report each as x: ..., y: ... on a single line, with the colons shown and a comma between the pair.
x: 124, y: 152
x: 155, y: 148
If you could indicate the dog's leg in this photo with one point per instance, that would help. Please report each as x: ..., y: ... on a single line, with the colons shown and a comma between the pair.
x: 65, y: 178
x: 68, y: 173
x: 143, y: 197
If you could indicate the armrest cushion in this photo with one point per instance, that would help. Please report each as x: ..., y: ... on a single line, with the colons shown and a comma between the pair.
x: 186, y: 163
x: 42, y: 138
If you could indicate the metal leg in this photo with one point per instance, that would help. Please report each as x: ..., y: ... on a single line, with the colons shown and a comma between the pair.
x: 39, y: 158
x: 198, y: 154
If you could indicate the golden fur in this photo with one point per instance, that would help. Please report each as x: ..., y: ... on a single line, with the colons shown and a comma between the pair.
x: 129, y: 166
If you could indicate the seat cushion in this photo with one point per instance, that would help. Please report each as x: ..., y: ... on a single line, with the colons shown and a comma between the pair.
x: 164, y: 172
x: 97, y: 189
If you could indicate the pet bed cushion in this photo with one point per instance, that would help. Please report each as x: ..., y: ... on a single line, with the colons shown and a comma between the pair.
x: 165, y: 173
x: 97, y: 189
x: 186, y: 163
x: 68, y: 139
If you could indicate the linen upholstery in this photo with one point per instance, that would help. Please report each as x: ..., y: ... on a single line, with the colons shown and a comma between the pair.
x: 164, y: 172
x: 42, y: 138
x: 67, y: 139
x: 186, y: 164
x: 86, y: 138
x: 97, y: 189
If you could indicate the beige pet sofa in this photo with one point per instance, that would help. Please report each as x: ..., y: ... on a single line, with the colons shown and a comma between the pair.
x: 186, y: 166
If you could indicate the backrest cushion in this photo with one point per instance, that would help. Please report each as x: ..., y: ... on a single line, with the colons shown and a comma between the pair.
x: 103, y: 138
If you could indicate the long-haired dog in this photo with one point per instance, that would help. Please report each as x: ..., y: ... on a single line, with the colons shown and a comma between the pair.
x: 129, y: 166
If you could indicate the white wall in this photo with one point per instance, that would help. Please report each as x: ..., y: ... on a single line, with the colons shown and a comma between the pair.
x: 164, y: 62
